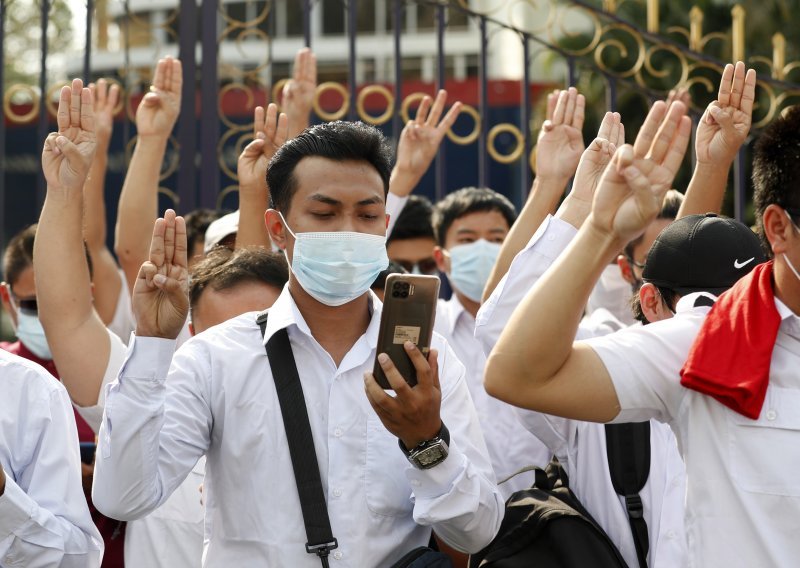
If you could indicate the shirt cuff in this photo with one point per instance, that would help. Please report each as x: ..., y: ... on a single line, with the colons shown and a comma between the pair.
x: 15, y: 509
x: 438, y: 480
x: 148, y: 358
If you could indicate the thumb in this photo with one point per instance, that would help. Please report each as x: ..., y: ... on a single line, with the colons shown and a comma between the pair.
x: 69, y: 149
x: 723, y: 117
x: 171, y: 286
x: 254, y: 148
x: 151, y: 99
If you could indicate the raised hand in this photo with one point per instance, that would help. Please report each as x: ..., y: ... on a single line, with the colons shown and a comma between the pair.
x: 597, y: 155
x: 560, y: 142
x: 270, y: 131
x: 105, y: 101
x: 159, y: 109
x: 420, y: 140
x: 679, y: 94
x: 298, y: 92
x: 161, y: 292
x: 633, y: 185
x: 726, y: 122
x: 68, y: 153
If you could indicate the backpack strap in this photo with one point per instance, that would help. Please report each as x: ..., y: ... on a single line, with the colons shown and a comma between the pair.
x: 301, y: 443
x: 628, y: 449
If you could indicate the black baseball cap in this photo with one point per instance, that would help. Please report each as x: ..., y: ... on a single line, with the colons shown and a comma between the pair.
x: 702, y: 253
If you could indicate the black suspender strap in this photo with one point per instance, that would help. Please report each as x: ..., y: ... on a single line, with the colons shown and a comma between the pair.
x: 301, y: 444
x: 628, y: 449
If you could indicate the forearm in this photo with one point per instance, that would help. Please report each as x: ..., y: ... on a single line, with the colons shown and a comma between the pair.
x: 541, y: 202
x: 94, y: 206
x: 138, y: 205
x: 538, y: 338
x: 706, y: 189
x: 402, y: 183
x: 252, y: 228
x: 161, y: 427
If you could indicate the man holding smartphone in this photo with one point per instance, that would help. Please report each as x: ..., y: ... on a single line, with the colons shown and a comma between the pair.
x: 328, y: 189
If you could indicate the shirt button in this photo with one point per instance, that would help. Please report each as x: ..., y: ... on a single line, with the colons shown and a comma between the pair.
x: 771, y: 415
x: 338, y: 432
x: 415, y: 482
x: 671, y: 534
x: 337, y: 492
x: 551, y: 237
x: 337, y: 555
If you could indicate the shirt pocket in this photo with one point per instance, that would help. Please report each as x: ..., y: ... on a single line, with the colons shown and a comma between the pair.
x: 387, y: 489
x: 765, y: 453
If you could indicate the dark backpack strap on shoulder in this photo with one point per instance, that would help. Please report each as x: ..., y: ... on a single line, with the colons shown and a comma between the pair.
x: 301, y: 443
x: 628, y: 449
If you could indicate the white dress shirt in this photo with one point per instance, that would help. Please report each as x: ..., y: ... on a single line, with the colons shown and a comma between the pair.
x: 581, y: 446
x: 743, y: 491
x: 172, y: 535
x: 511, y: 447
x: 219, y: 399
x: 44, y: 519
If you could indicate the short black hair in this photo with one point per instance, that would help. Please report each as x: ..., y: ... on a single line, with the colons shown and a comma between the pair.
x: 19, y: 255
x: 465, y: 201
x: 223, y: 269
x: 414, y: 221
x: 776, y: 168
x: 197, y: 222
x: 339, y: 141
x: 669, y: 210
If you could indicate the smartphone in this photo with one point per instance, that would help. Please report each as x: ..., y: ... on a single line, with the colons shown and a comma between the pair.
x: 409, y: 312
x: 87, y: 452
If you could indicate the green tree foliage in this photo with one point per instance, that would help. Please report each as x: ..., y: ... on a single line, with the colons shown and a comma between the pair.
x: 23, y: 38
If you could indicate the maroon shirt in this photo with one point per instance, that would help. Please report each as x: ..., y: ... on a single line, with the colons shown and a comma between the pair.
x: 114, y: 554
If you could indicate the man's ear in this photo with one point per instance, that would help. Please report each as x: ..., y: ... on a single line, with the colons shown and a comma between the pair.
x: 626, y: 269
x: 276, y: 228
x: 191, y: 329
x: 5, y: 298
x: 651, y: 302
x: 387, y: 221
x: 442, y: 259
x: 777, y: 228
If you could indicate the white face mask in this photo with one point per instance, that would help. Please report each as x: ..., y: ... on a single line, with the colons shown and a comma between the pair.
x: 31, y: 333
x: 470, y: 267
x: 337, y: 267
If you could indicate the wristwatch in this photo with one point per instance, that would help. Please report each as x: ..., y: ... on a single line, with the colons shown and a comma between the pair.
x: 429, y: 453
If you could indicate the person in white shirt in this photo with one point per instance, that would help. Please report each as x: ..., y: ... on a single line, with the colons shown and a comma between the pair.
x: 225, y: 285
x: 742, y: 504
x: 44, y: 518
x: 328, y: 186
x: 470, y: 225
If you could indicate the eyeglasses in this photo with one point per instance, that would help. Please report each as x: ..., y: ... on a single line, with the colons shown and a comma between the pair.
x: 639, y: 265
x: 424, y: 266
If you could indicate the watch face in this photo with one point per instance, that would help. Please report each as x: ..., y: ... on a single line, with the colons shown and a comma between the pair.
x: 430, y: 456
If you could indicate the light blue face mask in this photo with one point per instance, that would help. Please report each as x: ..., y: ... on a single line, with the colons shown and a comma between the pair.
x: 337, y: 267
x: 786, y: 258
x: 470, y: 267
x: 31, y: 333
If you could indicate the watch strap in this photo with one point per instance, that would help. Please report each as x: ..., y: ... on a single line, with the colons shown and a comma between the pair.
x: 443, y: 435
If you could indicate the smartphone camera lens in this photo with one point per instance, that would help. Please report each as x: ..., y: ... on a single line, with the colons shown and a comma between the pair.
x: 395, y: 294
x: 405, y: 294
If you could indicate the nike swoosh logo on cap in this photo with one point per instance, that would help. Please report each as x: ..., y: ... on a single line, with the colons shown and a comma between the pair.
x: 737, y: 265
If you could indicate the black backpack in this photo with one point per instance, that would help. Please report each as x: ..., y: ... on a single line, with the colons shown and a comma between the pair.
x: 547, y: 526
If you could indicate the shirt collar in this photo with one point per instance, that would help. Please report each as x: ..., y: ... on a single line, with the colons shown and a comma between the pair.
x: 784, y: 311
x: 284, y: 314
x: 455, y: 310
